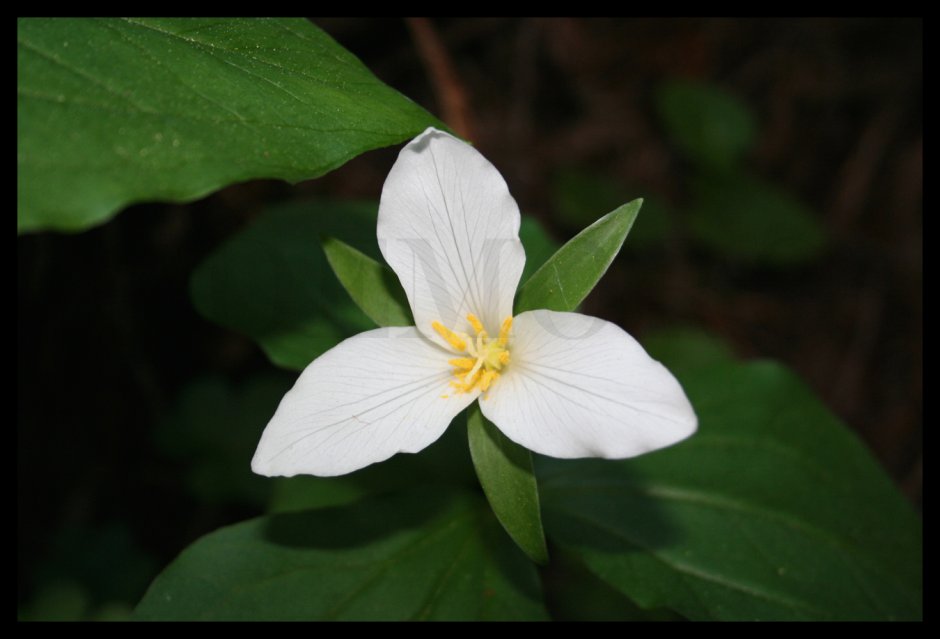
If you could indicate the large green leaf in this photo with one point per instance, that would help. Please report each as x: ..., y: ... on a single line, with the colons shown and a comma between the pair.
x: 272, y: 281
x: 505, y: 472
x: 711, y: 126
x: 563, y: 281
x: 744, y: 218
x: 417, y: 555
x: 111, y: 112
x: 772, y: 511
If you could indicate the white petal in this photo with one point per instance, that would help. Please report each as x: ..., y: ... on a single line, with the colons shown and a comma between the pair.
x: 578, y: 386
x: 373, y: 395
x: 449, y: 229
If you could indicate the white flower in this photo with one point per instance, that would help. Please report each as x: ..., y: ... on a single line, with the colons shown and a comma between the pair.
x: 561, y: 384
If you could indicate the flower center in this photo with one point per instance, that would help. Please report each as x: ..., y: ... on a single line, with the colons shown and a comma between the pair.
x: 486, y: 355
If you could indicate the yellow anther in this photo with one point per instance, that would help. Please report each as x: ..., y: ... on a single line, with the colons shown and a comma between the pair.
x: 462, y: 362
x: 504, y: 358
x: 476, y: 324
x: 504, y: 330
x: 452, y: 338
x: 488, y: 378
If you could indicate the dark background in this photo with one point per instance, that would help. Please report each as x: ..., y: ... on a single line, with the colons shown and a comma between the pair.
x: 107, y: 335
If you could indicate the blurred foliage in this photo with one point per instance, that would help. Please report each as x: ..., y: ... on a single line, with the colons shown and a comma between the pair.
x: 732, y: 213
x: 710, y: 126
x: 212, y: 431
x: 90, y: 573
x: 580, y: 197
x: 742, y: 217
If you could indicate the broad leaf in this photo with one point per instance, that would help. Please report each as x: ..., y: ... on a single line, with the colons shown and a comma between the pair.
x: 574, y: 593
x: 744, y: 218
x: 772, y: 511
x: 570, y: 274
x: 273, y: 283
x: 418, y: 555
x: 712, y: 127
x: 111, y: 112
x: 505, y: 472
x: 684, y: 349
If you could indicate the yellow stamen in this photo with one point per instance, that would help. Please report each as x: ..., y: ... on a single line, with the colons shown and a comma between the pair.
x: 462, y: 362
x: 504, y: 330
x: 452, y: 338
x: 476, y: 324
x: 488, y: 378
x: 504, y: 358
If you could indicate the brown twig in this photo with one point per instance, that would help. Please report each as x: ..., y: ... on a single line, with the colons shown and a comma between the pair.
x: 451, y: 95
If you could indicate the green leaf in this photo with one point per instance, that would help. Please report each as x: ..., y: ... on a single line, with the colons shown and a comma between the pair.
x: 372, y: 286
x: 773, y: 510
x: 742, y: 217
x: 682, y: 349
x: 111, y: 112
x: 418, y: 555
x: 272, y: 281
x: 570, y: 274
x: 505, y: 472
x: 711, y: 126
x: 574, y: 593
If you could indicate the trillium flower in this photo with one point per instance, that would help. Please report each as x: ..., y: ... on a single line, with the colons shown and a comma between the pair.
x: 561, y: 384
